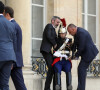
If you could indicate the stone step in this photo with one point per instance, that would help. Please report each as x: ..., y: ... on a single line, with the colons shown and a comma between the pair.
x: 36, y: 82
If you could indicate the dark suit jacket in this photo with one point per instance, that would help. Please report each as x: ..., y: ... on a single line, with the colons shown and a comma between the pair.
x: 7, y: 40
x: 49, y: 38
x: 19, y: 57
x: 85, y: 46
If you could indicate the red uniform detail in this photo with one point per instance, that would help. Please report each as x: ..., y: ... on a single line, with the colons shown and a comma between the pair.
x: 56, y: 60
x: 63, y: 22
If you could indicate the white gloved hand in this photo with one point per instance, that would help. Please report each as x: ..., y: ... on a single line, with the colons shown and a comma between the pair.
x: 65, y: 56
x: 57, y: 54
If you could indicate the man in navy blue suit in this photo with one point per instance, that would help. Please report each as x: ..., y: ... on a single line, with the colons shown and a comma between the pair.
x: 7, y: 49
x: 16, y: 72
x: 85, y: 48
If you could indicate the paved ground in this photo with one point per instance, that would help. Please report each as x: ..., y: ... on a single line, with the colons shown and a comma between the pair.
x: 91, y: 83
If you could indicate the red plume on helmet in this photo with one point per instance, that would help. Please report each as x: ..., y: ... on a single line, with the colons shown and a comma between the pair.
x: 63, y: 22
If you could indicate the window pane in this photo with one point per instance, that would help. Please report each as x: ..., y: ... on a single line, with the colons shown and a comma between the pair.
x: 92, y: 27
x: 83, y: 21
x: 92, y: 7
x: 36, y: 48
x: 37, y: 2
x: 83, y: 6
x: 37, y: 21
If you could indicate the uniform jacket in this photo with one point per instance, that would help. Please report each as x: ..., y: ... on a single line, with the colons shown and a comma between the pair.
x: 60, y: 42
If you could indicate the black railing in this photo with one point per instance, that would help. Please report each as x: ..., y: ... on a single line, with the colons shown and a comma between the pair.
x: 39, y: 66
x: 94, y: 69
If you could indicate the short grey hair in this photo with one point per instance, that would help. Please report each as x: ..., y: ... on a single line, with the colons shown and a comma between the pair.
x: 55, y: 17
x: 71, y: 26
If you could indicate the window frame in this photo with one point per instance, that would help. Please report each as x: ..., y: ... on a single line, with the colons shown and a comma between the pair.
x: 44, y: 20
x: 85, y: 14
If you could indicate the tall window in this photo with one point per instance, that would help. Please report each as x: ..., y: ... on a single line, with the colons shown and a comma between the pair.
x: 90, y: 18
x: 38, y: 22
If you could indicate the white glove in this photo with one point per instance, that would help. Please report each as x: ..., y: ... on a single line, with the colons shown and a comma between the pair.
x: 57, y: 54
x: 65, y: 56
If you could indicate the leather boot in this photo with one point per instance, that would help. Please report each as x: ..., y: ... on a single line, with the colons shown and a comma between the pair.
x: 69, y: 81
x: 57, y: 81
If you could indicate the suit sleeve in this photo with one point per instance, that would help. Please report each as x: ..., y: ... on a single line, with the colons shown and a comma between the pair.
x: 50, y: 37
x: 73, y: 48
x: 19, y: 37
x: 82, y: 42
x: 14, y: 40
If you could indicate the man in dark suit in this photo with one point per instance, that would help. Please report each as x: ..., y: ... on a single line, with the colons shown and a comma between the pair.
x: 49, y: 41
x: 16, y: 72
x: 85, y: 48
x: 7, y: 49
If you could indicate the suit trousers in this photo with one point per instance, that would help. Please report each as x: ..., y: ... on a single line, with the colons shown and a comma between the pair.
x: 17, y: 78
x: 5, y: 70
x: 49, y: 60
x: 82, y: 72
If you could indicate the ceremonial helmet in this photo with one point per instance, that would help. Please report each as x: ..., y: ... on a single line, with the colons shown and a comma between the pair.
x: 62, y: 28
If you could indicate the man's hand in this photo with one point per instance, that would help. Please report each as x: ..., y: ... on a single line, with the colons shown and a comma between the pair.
x: 12, y: 67
x: 55, y: 46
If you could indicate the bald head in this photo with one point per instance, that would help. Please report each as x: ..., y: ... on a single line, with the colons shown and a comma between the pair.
x: 72, y: 29
x: 71, y: 26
